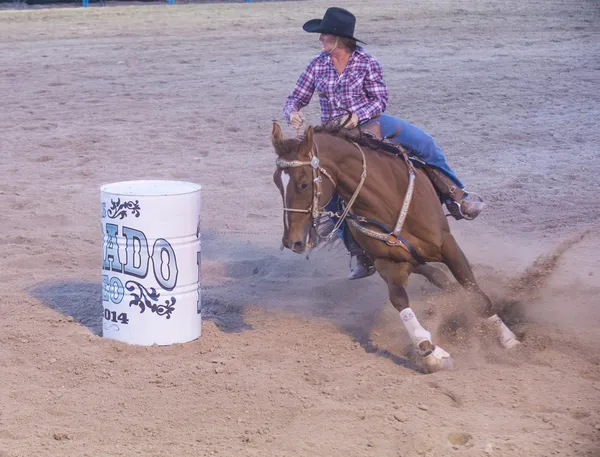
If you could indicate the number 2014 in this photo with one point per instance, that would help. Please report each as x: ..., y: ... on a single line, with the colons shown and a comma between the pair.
x: 112, y: 316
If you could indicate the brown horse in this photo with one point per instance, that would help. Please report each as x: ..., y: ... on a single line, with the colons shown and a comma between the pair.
x: 373, y: 184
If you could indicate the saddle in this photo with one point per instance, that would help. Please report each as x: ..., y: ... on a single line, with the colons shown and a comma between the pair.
x: 373, y: 128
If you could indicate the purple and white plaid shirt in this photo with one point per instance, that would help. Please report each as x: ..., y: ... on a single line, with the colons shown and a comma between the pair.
x: 360, y: 88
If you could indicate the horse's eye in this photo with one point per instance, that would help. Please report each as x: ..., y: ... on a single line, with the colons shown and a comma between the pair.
x: 304, y: 186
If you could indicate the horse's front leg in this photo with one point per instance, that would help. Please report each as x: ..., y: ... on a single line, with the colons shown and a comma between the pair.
x: 396, y: 274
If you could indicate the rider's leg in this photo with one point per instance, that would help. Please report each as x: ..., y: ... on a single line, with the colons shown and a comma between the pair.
x: 419, y: 142
x: 426, y: 149
x: 364, y: 265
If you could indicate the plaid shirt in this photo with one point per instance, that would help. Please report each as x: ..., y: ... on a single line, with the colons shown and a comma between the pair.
x: 360, y: 88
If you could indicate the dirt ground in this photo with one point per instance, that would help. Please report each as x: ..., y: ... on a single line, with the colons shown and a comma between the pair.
x: 294, y: 359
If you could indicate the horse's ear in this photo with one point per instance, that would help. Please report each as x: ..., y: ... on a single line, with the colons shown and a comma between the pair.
x: 276, y: 134
x: 307, y: 142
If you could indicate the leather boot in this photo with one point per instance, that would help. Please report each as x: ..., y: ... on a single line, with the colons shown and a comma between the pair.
x: 460, y: 204
x: 364, y: 266
x: 471, y: 205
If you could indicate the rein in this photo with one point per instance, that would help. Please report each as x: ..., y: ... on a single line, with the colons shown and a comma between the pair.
x: 363, y: 177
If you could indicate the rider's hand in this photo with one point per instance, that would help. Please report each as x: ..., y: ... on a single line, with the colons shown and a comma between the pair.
x: 353, y: 122
x: 296, y: 119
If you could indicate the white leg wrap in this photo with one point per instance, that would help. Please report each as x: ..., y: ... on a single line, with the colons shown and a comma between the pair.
x: 416, y: 332
x: 507, y: 338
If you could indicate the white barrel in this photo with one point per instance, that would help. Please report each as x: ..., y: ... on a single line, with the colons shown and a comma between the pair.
x: 151, y: 262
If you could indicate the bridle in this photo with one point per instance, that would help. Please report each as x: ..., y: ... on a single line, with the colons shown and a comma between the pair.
x: 317, y: 212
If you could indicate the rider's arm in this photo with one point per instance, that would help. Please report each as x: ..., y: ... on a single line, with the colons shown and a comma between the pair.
x: 375, y: 90
x: 302, y: 93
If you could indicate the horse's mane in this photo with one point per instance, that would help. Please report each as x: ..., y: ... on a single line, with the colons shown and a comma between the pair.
x: 359, y: 137
x: 287, y: 149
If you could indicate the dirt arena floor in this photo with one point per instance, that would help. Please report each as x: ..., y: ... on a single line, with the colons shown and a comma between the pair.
x: 294, y: 359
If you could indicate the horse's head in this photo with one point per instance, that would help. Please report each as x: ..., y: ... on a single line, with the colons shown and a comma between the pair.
x: 298, y: 178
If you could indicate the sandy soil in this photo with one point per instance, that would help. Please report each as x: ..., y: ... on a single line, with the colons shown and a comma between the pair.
x: 294, y: 359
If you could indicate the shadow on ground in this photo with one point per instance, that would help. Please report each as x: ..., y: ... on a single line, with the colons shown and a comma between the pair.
x: 82, y: 300
x: 257, y: 276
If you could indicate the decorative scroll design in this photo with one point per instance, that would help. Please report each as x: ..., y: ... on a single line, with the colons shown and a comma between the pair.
x: 119, y: 209
x: 148, y: 299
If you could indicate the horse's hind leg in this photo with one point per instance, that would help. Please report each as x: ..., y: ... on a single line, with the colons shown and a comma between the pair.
x: 434, y: 275
x: 455, y: 259
x: 396, y: 274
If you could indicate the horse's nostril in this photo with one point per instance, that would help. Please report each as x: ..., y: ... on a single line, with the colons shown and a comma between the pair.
x: 297, y: 246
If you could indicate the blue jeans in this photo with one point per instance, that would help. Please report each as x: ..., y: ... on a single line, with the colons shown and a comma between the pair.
x: 421, y: 144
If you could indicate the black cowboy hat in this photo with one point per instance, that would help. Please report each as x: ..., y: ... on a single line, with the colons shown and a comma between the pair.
x: 337, y: 21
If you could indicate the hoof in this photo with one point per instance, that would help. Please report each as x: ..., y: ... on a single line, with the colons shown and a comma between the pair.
x: 437, y: 360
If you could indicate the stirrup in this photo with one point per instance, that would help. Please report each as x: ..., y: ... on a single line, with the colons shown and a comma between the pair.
x: 455, y: 211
